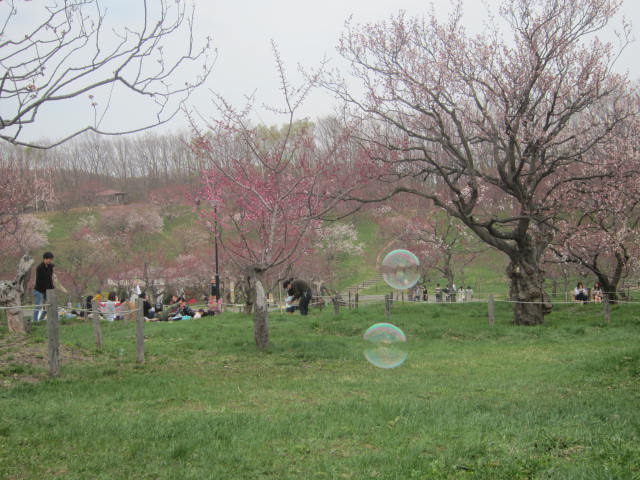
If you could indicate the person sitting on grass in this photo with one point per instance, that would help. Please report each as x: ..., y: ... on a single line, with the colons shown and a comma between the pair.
x: 580, y: 293
x: 148, y: 310
x: 110, y: 307
x: 204, y: 313
x: 596, y: 293
x: 170, y: 311
x: 184, y: 310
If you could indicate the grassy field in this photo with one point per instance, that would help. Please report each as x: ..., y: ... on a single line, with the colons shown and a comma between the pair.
x: 558, y: 401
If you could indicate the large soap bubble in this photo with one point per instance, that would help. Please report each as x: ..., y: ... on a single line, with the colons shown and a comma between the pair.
x: 401, y: 269
x: 385, y: 345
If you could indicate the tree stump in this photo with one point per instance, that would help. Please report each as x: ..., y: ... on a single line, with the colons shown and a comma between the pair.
x: 11, y: 294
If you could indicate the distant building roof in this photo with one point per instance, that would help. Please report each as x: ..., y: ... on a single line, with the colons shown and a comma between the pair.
x: 109, y: 193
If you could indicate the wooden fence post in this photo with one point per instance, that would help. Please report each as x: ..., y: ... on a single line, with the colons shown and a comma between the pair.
x: 139, y: 331
x: 607, y: 308
x: 53, y: 326
x: 357, y: 296
x: 336, y: 304
x: 387, y: 307
x: 97, y: 330
x: 492, y: 312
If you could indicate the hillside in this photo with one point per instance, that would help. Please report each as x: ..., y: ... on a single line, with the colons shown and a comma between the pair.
x: 485, y: 274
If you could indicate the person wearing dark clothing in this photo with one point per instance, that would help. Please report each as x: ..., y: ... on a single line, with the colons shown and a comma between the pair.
x: 147, y: 310
x: 171, y: 311
x: 44, y: 282
x: 87, y: 306
x: 580, y: 293
x: 299, y: 290
x: 185, y: 310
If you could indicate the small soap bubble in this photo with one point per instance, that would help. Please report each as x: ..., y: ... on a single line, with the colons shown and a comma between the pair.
x: 401, y: 269
x: 385, y: 345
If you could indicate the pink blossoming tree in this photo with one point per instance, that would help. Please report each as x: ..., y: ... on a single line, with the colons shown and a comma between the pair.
x: 599, y: 232
x: 476, y: 118
x: 267, y: 187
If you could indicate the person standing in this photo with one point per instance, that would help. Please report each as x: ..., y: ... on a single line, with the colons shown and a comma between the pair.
x: 299, y: 290
x: 44, y: 282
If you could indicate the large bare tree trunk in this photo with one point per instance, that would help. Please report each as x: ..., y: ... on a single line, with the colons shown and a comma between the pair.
x: 608, y: 288
x: 16, y: 322
x: 260, y: 311
x: 609, y: 283
x: 527, y: 290
x: 11, y: 296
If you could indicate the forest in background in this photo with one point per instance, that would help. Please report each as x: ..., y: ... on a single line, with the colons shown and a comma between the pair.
x: 156, y: 232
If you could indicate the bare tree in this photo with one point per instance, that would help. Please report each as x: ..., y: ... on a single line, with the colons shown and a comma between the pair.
x: 71, y: 52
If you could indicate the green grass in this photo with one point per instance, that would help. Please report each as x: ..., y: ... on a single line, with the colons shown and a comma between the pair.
x: 64, y: 224
x: 471, y: 401
x: 352, y: 269
x: 486, y: 275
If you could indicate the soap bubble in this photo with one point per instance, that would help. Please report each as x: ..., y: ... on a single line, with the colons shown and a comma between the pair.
x: 401, y: 269
x: 384, y: 345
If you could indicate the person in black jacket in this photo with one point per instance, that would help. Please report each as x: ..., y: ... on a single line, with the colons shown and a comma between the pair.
x: 185, y: 310
x: 147, y: 310
x: 44, y: 282
x: 299, y: 289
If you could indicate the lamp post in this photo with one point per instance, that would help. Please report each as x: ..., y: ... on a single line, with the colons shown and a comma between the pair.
x: 215, y: 287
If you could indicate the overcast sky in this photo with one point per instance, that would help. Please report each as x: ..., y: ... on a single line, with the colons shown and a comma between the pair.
x: 305, y: 32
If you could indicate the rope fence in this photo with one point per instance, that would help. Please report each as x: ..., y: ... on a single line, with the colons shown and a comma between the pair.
x: 52, y: 312
x: 491, y: 301
x: 373, y: 299
x: 98, y: 311
x: 327, y: 300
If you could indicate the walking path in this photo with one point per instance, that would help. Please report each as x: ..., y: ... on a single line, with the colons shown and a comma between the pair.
x: 361, y: 285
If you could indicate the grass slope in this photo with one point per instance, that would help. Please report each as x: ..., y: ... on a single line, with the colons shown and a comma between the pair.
x: 176, y: 217
x: 485, y: 275
x: 471, y: 401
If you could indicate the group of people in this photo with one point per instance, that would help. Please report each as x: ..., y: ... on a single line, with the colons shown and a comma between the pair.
x: 178, y: 308
x: 299, y: 295
x: 445, y: 294
x: 420, y: 293
x: 581, y: 294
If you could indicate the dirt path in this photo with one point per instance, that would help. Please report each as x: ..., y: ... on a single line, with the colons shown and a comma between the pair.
x: 22, y: 359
